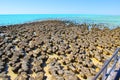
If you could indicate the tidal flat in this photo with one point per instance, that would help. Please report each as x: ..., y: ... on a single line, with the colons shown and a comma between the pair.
x: 54, y: 50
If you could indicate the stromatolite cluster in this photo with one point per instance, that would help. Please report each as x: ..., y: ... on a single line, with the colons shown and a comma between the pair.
x: 54, y: 50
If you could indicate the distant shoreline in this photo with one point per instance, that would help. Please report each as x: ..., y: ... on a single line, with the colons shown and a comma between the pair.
x: 67, y: 22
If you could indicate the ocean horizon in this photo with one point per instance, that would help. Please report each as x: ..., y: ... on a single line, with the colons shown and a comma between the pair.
x: 111, y: 21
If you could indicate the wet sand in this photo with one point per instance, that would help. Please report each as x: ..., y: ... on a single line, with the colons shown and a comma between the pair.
x: 54, y: 50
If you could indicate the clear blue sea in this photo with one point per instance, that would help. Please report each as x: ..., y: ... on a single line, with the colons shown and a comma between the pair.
x: 111, y: 20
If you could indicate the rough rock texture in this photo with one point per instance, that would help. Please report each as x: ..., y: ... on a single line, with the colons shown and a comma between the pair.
x: 54, y: 50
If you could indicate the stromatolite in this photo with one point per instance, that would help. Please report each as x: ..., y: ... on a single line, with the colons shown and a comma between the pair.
x: 40, y: 50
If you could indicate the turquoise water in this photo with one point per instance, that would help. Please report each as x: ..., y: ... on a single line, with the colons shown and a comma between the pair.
x: 111, y: 20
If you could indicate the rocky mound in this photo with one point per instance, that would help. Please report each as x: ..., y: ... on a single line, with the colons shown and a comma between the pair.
x: 54, y: 50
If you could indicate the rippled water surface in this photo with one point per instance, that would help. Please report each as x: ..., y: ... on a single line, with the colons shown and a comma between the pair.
x: 111, y: 20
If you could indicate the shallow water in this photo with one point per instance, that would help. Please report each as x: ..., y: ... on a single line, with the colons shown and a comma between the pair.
x: 111, y: 20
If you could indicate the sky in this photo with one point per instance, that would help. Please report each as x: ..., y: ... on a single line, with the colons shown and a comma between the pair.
x: 60, y: 7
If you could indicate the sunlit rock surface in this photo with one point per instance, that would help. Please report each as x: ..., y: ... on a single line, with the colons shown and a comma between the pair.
x: 53, y: 50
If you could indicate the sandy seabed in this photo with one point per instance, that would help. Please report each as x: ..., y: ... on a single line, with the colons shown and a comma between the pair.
x: 54, y: 50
